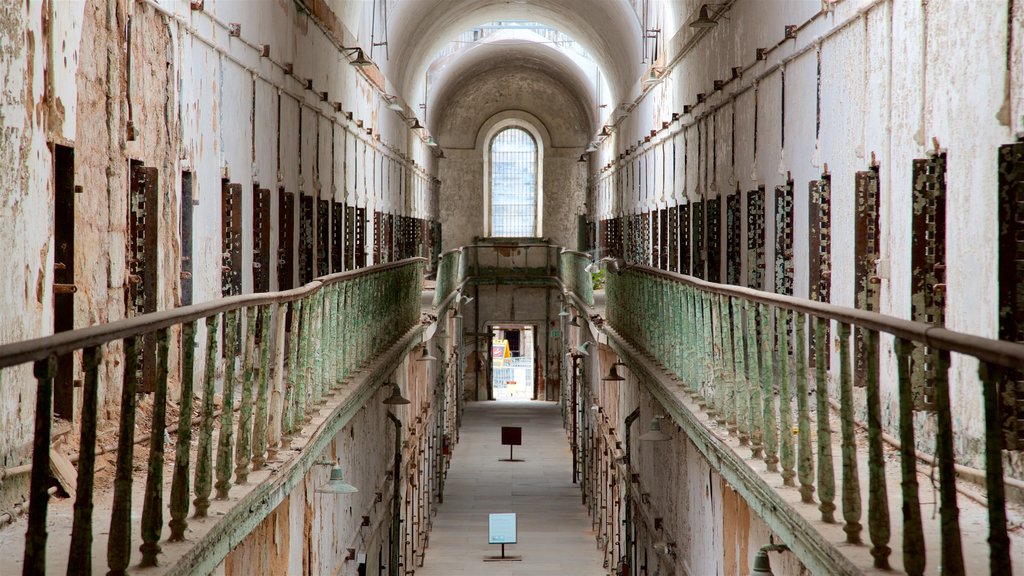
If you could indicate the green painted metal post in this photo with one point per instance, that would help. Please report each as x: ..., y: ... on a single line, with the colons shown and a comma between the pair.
x: 153, y: 500
x: 80, y: 555
x: 826, y: 472
x: 742, y: 389
x: 913, y: 531
x: 805, y: 454
x: 851, y: 479
x: 204, y: 454
x: 952, y: 547
x: 999, y: 540
x: 771, y: 432
x: 243, y: 442
x: 268, y: 313
x: 752, y: 356
x: 878, y: 497
x: 35, y: 536
x: 119, y: 543
x: 179, y: 483
x: 783, y: 378
x: 225, y: 448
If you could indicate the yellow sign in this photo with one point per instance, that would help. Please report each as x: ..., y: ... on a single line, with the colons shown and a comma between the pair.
x: 499, y: 351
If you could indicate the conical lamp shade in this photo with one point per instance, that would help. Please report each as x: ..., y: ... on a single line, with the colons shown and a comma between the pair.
x: 613, y: 374
x: 703, y: 19
x: 426, y: 357
x: 654, y: 433
x: 396, y: 398
x: 761, y: 565
x: 337, y: 484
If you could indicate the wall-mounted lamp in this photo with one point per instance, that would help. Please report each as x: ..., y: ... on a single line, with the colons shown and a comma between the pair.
x: 592, y: 147
x: 393, y: 103
x: 654, y: 433
x: 431, y: 142
x: 613, y: 374
x: 704, y: 19
x: 415, y: 124
x: 575, y: 321
x: 761, y: 566
x: 425, y: 356
x: 655, y: 75
x: 396, y: 398
x: 360, y: 60
x: 606, y: 131
x: 583, y: 158
x: 336, y: 484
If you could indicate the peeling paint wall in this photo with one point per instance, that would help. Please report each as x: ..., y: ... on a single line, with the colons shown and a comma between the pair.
x: 175, y: 89
x: 866, y: 82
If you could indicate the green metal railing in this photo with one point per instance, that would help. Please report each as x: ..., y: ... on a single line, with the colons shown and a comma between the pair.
x: 573, y: 272
x: 745, y: 356
x: 450, y: 272
x: 337, y: 323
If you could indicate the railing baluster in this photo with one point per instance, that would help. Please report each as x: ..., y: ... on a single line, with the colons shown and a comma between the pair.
x: 786, y: 454
x: 805, y: 454
x: 179, y: 484
x: 878, y: 497
x: 204, y: 454
x: 728, y: 356
x: 771, y: 433
x: 288, y: 412
x: 278, y: 399
x: 851, y: 480
x: 259, y: 427
x: 225, y: 456
x: 243, y: 442
x: 153, y: 500
x: 913, y: 532
x: 119, y: 543
x: 952, y: 548
x: 80, y: 554
x: 992, y: 376
x: 742, y: 390
x: 39, y: 498
x: 826, y: 471
x: 751, y: 354
x: 302, y: 376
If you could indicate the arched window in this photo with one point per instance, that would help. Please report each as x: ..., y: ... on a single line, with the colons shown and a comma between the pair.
x: 513, y: 174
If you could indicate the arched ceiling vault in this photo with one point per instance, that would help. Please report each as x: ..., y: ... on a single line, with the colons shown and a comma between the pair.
x: 540, y: 64
x: 608, y: 29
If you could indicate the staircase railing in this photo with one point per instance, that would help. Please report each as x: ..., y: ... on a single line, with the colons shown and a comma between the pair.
x: 279, y: 353
x: 747, y: 356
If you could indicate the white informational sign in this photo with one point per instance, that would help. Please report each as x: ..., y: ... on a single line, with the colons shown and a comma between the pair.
x: 502, y: 529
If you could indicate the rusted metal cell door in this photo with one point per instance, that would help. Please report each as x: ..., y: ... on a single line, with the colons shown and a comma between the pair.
x: 867, y: 241
x: 928, y: 271
x: 143, y: 260
x: 337, y: 237
x: 673, y: 239
x: 1011, y: 284
x: 685, y: 244
x: 733, y: 232
x: 360, y: 237
x: 261, y: 240
x: 714, y: 208
x: 784, y: 239
x: 286, y: 240
x: 64, y: 274
x: 819, y: 226
x: 185, y: 236
x: 323, y: 236
x: 378, y: 235
x: 306, y: 236
x: 756, y: 238
x: 663, y: 244
x: 231, y: 238
x: 699, y: 236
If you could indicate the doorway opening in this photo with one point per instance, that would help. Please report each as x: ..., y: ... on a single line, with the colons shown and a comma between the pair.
x: 513, y: 361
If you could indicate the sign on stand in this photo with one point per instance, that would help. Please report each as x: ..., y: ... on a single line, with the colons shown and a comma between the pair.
x: 502, y: 530
x: 511, y: 436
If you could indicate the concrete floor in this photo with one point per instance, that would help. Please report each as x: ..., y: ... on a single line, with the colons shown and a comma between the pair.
x: 554, y: 532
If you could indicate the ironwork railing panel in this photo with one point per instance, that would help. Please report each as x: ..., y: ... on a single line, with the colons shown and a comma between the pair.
x: 743, y: 353
x: 338, y: 322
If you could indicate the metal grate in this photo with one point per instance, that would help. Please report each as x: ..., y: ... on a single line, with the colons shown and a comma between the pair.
x: 698, y: 233
x: 337, y: 237
x: 378, y: 234
x: 261, y: 240
x: 755, y: 239
x: 286, y: 240
x: 673, y: 239
x: 350, y: 237
x: 685, y: 245
x: 663, y: 244
x: 64, y: 274
x: 654, y: 225
x: 784, y: 239
x: 323, y: 236
x: 231, y: 238
x: 819, y: 227
x: 866, y: 252
x: 185, y: 234
x: 1011, y: 284
x: 733, y: 232
x: 928, y: 264
x: 305, y: 239
x: 513, y: 184
x: 359, y: 237
x: 714, y: 208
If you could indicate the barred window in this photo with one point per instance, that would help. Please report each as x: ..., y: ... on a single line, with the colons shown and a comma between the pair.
x: 513, y: 184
